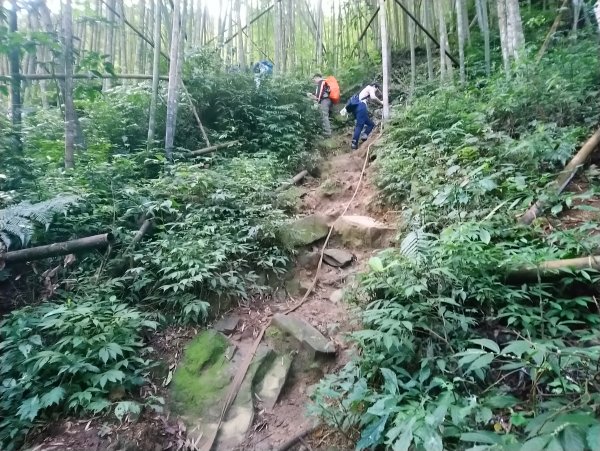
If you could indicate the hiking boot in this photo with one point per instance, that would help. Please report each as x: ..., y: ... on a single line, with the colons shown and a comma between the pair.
x: 364, y: 137
x: 354, y: 145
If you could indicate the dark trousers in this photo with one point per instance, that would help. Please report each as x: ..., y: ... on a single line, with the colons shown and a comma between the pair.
x: 362, y: 120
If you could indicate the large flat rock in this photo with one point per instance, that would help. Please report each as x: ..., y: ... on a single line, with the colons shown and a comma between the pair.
x: 303, y: 332
x: 363, y: 232
x: 304, y: 231
x: 240, y: 416
x: 270, y: 388
x: 337, y: 258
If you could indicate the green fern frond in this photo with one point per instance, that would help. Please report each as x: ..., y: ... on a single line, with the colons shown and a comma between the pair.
x: 416, y: 245
x: 19, y: 220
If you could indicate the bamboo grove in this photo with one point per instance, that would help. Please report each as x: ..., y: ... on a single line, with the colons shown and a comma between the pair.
x: 47, y: 46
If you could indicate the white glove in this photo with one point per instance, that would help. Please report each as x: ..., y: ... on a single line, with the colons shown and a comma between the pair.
x: 344, y: 113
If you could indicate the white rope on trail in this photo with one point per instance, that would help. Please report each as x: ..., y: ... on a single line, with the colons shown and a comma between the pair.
x: 237, y: 382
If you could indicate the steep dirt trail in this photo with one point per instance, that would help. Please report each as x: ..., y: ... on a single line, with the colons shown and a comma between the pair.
x: 324, y: 309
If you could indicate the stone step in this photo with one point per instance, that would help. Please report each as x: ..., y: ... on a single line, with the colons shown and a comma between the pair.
x: 338, y: 258
x: 269, y: 389
x: 303, y: 332
x: 363, y: 232
x: 304, y: 231
x: 240, y: 416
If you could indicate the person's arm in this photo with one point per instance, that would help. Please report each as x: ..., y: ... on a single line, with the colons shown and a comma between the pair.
x: 373, y: 94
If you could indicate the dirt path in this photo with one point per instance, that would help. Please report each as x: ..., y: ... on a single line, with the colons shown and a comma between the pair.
x: 269, y: 425
x: 324, y: 309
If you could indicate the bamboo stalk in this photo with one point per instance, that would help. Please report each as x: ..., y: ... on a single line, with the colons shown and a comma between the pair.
x: 56, y: 249
x: 553, y: 28
x: 420, y: 25
x: 294, y: 180
x: 197, y: 153
x: 565, y: 177
x: 552, y: 268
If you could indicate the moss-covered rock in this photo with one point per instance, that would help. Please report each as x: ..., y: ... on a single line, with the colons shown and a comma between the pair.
x: 304, y: 231
x: 202, y: 375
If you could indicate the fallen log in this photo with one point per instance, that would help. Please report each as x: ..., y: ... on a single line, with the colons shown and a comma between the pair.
x: 553, y: 268
x: 293, y: 181
x: 56, y: 249
x: 565, y: 177
x: 141, y: 232
x: 197, y: 153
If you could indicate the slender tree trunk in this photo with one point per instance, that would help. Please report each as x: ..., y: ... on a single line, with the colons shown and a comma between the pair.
x: 484, y: 26
x: 413, y: 54
x: 123, y: 38
x: 14, y: 58
x: 384, y: 58
x: 70, y: 128
x: 515, y: 28
x: 140, y: 57
x: 241, y: 54
x: 155, y: 75
x: 427, y: 10
x: 442, y: 34
x: 319, y: 43
x: 109, y: 46
x: 460, y: 15
x: 173, y: 82
x: 504, y: 40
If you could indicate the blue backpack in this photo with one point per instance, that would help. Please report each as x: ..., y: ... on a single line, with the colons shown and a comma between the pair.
x: 352, y: 104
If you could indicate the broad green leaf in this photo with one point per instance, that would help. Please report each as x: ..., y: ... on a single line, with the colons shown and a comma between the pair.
x: 572, y: 439
x: 372, y: 434
x: 54, y: 396
x: 518, y: 348
x: 554, y: 445
x: 28, y: 410
x: 536, y: 444
x: 391, y: 381
x: 405, y: 440
x: 485, y: 236
x: 482, y: 362
x: 487, y: 343
x: 376, y: 264
x: 486, y: 437
x: 593, y: 438
x: 98, y: 406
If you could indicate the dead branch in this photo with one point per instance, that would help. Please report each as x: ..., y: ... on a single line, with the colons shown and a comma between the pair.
x: 56, y: 249
x: 565, y: 177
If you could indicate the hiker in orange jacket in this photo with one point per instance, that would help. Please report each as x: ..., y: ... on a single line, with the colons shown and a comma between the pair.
x: 321, y: 96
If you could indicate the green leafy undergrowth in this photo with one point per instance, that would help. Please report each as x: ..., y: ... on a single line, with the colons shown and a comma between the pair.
x: 458, y: 349
x: 460, y: 154
x: 70, y: 356
x: 454, y: 356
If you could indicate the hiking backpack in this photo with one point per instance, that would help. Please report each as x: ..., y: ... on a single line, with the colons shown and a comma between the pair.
x: 334, y: 89
x: 352, y: 103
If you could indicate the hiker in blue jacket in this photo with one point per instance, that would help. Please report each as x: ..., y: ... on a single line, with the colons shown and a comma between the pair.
x: 359, y: 107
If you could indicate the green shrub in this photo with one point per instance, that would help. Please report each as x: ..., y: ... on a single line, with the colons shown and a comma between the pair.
x: 69, y: 356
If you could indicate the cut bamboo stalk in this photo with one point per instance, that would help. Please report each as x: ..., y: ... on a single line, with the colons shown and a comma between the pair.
x: 197, y: 153
x: 293, y: 181
x: 56, y: 249
x: 552, y: 268
x: 553, y: 29
x: 565, y: 177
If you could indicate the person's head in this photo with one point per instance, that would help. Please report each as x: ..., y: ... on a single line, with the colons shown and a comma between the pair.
x: 317, y: 78
x: 376, y: 86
